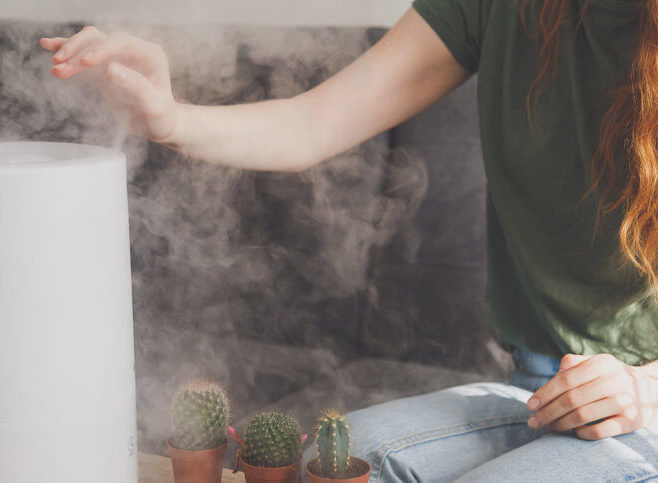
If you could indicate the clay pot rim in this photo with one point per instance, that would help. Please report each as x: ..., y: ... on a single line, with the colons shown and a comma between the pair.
x: 350, y: 478
x: 243, y: 462
x: 199, y: 451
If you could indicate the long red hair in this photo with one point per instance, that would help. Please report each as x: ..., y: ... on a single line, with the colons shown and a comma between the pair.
x: 631, y: 123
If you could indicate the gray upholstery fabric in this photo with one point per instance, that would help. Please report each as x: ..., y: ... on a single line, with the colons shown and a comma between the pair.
x: 356, y: 282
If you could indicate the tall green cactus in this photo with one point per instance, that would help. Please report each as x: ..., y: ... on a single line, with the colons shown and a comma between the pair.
x: 200, y: 415
x: 333, y: 439
x: 272, y: 440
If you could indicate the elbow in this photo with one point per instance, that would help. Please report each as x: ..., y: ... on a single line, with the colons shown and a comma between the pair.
x: 301, y: 167
x: 298, y: 159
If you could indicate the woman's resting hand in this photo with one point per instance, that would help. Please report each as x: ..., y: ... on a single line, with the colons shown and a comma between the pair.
x: 617, y: 398
x: 132, y: 74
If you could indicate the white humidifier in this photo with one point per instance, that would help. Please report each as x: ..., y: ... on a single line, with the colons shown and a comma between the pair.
x: 67, y: 379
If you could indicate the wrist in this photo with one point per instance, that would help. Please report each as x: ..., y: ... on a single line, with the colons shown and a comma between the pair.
x: 650, y: 373
x: 650, y: 369
x: 176, y: 137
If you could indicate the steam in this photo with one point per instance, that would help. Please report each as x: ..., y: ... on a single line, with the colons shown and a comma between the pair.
x: 257, y: 280
x: 39, y: 107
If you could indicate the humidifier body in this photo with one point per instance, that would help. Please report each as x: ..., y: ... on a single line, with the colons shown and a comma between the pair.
x: 67, y: 380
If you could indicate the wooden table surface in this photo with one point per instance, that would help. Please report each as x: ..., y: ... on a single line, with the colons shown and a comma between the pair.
x: 157, y: 469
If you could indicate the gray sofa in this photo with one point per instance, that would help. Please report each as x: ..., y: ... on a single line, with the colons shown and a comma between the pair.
x: 356, y: 282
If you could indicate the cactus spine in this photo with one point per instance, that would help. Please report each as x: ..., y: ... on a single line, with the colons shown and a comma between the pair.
x: 333, y: 439
x: 272, y: 440
x: 200, y: 415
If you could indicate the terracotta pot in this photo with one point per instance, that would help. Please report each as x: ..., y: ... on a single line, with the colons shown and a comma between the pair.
x: 361, y: 474
x: 282, y: 474
x: 197, y: 466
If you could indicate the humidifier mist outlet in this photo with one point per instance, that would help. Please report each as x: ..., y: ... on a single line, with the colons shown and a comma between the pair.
x: 67, y: 411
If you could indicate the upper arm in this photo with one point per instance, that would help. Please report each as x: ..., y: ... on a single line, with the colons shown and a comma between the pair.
x: 403, y: 73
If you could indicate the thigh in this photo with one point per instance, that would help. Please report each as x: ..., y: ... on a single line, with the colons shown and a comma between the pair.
x: 564, y: 457
x: 440, y: 435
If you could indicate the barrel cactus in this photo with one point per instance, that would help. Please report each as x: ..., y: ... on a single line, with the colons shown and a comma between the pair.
x: 200, y: 415
x: 272, y: 440
x: 333, y: 440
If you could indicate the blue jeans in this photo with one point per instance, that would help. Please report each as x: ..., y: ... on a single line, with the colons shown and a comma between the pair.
x: 478, y: 432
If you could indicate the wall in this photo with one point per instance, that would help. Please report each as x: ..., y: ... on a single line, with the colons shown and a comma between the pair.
x: 273, y: 12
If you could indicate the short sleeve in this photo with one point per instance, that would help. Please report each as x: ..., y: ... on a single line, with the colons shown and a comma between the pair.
x: 460, y: 24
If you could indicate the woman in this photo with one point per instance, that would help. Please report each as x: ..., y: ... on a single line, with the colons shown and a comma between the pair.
x: 568, y: 101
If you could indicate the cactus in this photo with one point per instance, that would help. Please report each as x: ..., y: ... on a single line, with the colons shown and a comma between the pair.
x: 333, y: 440
x: 272, y: 440
x: 200, y: 415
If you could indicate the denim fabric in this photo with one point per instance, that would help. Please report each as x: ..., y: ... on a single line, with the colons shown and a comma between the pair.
x: 532, y: 370
x: 478, y: 432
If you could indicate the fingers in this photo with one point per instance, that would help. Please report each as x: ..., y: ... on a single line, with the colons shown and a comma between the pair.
x: 77, y: 42
x: 67, y: 49
x: 573, y: 377
x: 603, y: 408
x: 52, y: 43
x: 571, y: 400
x: 571, y: 360
x: 131, y: 50
x: 610, y: 427
x: 91, y: 50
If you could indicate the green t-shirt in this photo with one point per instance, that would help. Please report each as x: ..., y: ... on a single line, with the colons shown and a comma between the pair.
x: 547, y: 290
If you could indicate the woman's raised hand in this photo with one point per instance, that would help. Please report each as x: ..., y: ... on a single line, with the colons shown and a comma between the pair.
x: 133, y: 76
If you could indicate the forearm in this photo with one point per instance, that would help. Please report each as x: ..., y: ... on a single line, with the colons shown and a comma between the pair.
x: 271, y: 135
